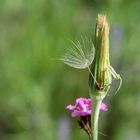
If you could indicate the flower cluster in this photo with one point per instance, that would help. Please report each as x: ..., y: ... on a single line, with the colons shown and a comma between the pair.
x: 83, y: 107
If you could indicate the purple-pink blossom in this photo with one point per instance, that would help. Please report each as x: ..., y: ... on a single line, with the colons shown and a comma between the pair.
x: 83, y: 107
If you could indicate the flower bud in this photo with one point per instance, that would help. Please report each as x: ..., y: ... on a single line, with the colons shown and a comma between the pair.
x: 100, y: 66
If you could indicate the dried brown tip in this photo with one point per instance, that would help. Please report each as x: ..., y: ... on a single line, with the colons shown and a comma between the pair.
x: 85, y: 124
x: 102, y: 22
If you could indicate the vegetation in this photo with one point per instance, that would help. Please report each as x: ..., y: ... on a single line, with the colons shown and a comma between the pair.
x: 35, y: 87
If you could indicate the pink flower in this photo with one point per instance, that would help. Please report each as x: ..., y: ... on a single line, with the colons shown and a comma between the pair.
x: 83, y: 107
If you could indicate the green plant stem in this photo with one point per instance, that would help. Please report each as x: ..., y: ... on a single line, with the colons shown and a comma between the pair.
x: 96, y: 103
x: 91, y: 137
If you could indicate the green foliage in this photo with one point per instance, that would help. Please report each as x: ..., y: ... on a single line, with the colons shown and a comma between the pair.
x: 34, y: 89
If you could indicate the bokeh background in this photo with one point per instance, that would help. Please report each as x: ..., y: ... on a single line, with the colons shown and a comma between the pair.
x: 35, y: 87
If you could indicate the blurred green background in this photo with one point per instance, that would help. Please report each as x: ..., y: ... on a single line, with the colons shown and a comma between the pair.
x: 35, y: 88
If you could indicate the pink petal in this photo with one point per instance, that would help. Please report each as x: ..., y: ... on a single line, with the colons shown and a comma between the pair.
x: 104, y: 107
x: 79, y: 100
x: 70, y: 107
x: 83, y: 107
x: 75, y: 113
x: 80, y: 113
